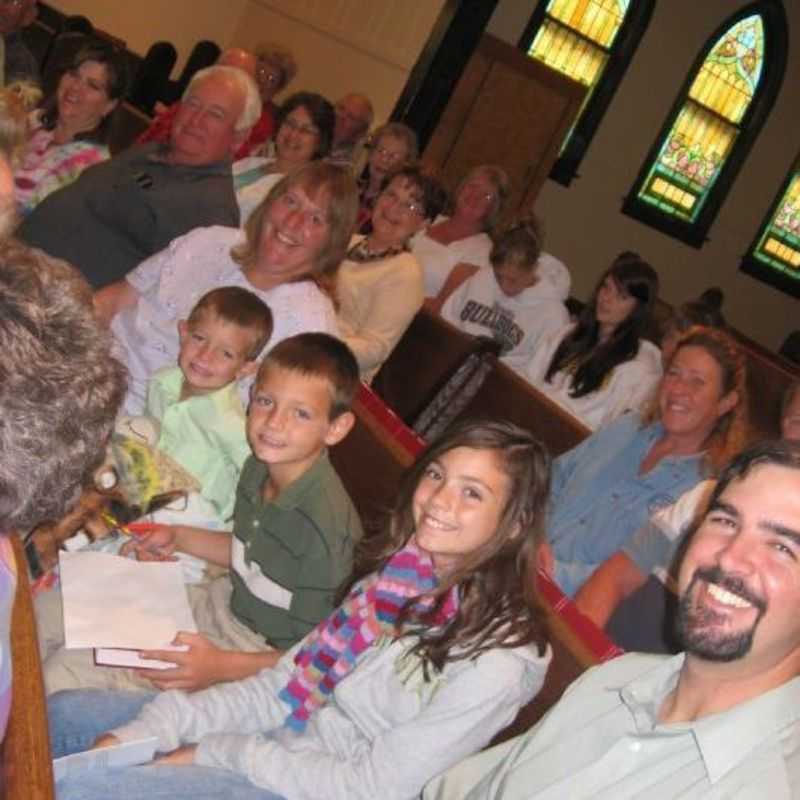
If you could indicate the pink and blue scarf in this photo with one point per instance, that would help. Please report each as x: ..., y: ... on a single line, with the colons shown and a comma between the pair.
x: 370, y: 609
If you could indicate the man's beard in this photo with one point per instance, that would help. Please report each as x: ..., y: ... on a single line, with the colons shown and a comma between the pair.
x: 696, y: 628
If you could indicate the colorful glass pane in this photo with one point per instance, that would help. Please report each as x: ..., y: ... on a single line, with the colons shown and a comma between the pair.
x: 575, y: 38
x: 598, y: 20
x: 568, y: 53
x: 779, y: 245
x: 695, y: 149
x: 689, y: 161
x: 729, y: 76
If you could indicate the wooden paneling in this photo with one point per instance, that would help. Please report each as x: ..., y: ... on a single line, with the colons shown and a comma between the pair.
x: 508, y: 110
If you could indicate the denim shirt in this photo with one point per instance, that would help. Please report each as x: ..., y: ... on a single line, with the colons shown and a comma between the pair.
x: 598, y: 499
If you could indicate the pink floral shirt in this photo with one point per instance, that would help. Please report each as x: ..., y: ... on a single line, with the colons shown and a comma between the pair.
x: 47, y: 167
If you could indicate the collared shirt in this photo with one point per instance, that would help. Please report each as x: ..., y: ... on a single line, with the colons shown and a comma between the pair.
x: 603, y: 741
x: 172, y: 281
x: 290, y: 554
x: 598, y: 499
x: 123, y: 210
x: 204, y: 434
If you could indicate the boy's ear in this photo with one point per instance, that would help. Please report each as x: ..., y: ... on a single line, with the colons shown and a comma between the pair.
x: 339, y: 428
x: 183, y: 329
x: 250, y: 368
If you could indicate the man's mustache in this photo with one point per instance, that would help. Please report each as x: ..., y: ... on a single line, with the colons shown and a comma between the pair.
x: 730, y: 583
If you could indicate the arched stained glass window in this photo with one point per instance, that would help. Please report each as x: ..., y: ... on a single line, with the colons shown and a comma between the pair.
x: 774, y: 256
x: 710, y: 129
x: 592, y: 42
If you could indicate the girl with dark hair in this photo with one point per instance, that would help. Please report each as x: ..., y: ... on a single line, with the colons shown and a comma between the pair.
x: 74, y: 124
x: 433, y: 649
x: 601, y: 366
x: 305, y: 133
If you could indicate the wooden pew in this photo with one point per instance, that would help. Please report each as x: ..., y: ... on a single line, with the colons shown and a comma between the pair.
x: 504, y: 395
x: 768, y: 377
x: 429, y: 352
x: 27, y: 772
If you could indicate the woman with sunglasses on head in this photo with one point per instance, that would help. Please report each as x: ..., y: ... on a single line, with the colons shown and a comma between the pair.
x: 74, y: 125
x: 601, y: 366
x: 379, y: 287
x: 305, y: 133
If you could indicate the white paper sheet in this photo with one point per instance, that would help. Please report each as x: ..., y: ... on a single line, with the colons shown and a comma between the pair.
x: 126, y: 754
x: 111, y: 601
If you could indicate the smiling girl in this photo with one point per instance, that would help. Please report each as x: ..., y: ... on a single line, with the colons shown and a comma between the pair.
x: 433, y: 650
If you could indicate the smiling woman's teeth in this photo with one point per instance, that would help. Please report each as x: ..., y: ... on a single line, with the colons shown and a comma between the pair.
x: 727, y: 598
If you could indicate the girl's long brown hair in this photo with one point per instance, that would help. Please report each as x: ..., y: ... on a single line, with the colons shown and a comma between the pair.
x: 496, y: 583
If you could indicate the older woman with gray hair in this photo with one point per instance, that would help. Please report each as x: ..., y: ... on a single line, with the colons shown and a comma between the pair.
x: 60, y: 390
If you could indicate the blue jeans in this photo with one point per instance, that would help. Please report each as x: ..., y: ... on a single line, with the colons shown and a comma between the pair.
x: 78, y: 717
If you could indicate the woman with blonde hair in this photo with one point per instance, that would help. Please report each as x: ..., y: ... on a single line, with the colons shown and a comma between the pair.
x: 297, y: 235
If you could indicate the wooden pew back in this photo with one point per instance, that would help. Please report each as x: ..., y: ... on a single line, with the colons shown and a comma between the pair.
x: 429, y: 352
x: 27, y: 772
x: 504, y: 395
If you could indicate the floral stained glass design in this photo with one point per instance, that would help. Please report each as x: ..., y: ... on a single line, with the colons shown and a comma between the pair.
x: 707, y: 126
x: 779, y: 244
x: 576, y: 37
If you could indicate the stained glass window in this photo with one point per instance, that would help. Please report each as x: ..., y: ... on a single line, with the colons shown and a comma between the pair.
x: 708, y: 123
x: 589, y: 41
x: 775, y: 255
x: 722, y: 106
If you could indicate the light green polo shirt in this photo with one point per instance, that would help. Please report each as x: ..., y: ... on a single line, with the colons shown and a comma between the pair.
x: 290, y: 555
x: 204, y: 434
x: 603, y: 741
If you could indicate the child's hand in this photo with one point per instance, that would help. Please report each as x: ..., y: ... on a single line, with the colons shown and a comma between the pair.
x: 196, y: 668
x: 157, y: 545
x: 182, y: 756
x: 106, y: 740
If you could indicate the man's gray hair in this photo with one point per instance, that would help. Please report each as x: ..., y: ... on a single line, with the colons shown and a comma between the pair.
x: 60, y: 387
x: 252, y: 99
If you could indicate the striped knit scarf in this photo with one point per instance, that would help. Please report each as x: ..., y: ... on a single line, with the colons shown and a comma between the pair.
x: 369, y: 610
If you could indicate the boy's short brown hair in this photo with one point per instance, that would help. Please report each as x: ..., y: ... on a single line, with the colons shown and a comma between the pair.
x: 318, y: 355
x: 239, y: 307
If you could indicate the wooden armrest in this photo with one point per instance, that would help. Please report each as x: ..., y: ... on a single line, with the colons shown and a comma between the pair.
x: 27, y: 765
